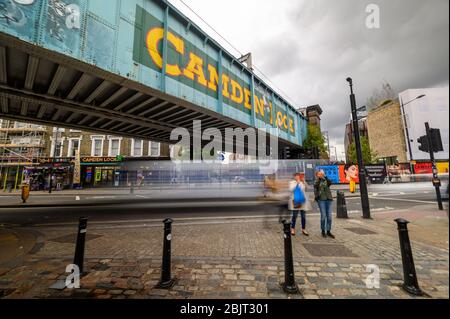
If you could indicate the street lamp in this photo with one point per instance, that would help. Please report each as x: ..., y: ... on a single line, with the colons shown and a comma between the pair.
x: 362, y: 171
x: 406, y: 124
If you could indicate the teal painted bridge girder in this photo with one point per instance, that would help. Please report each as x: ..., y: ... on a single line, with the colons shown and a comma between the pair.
x: 152, y: 43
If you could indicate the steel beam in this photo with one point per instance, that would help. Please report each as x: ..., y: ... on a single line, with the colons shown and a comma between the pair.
x: 32, y: 67
x: 96, y: 121
x: 3, y: 72
x: 99, y: 90
x: 153, y: 108
x: 128, y: 101
x: 4, y: 103
x: 140, y: 105
x: 114, y: 96
x: 24, y: 108
x: 41, y: 111
x: 170, y: 109
x: 78, y: 86
x: 57, y: 114
x: 71, y: 117
x: 175, y: 114
x: 59, y: 75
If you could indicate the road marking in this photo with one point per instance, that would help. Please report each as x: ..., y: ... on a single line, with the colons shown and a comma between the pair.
x: 403, y: 200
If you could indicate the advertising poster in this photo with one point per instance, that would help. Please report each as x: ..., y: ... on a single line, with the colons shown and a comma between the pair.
x: 77, y: 169
x: 348, y: 173
x: 376, y: 173
x: 423, y: 168
x: 331, y: 172
x: 442, y: 168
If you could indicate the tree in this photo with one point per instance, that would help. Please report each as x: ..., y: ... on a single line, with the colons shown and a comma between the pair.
x: 315, y: 139
x: 369, y: 155
x: 380, y: 96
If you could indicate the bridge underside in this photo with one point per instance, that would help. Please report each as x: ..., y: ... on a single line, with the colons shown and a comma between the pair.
x: 41, y: 86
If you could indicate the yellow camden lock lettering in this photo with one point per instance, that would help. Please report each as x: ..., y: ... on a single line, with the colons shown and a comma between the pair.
x: 195, y: 71
x: 237, y: 95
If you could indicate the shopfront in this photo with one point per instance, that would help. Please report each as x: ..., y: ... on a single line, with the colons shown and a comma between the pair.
x: 102, y: 172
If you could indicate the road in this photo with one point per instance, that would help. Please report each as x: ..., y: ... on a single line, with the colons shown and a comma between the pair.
x: 141, y: 209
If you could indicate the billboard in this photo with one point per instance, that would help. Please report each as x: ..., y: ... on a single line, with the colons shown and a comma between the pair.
x: 340, y: 174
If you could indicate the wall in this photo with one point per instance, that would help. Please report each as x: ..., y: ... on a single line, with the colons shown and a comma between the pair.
x: 386, y: 133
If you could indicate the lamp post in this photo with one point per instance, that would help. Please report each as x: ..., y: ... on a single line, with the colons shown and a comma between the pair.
x: 406, y: 124
x: 362, y: 171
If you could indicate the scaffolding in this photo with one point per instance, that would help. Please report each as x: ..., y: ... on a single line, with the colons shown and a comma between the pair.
x: 21, y: 144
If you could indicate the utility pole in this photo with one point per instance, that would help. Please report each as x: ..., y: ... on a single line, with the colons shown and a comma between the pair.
x: 362, y: 171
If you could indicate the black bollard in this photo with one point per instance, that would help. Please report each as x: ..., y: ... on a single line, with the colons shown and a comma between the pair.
x: 410, y: 284
x: 81, y: 239
x: 131, y: 188
x: 341, y: 205
x: 289, y: 285
x: 166, y: 281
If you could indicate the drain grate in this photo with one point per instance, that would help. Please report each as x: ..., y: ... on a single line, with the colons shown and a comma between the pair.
x: 361, y: 231
x: 328, y: 250
x: 72, y: 238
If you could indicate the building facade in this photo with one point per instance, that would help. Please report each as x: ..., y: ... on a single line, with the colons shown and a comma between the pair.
x: 386, y: 138
x: 39, y: 153
x: 349, y: 134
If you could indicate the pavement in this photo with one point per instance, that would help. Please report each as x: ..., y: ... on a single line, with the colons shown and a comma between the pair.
x: 228, y: 257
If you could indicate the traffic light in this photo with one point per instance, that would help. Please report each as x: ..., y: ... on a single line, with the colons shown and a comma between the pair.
x: 436, y: 140
x: 424, y: 145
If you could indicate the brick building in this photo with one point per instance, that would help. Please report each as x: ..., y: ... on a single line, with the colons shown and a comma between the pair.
x: 38, y: 152
x: 386, y: 133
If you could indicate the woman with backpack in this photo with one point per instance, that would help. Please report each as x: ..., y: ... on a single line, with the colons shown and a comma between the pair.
x: 298, y: 202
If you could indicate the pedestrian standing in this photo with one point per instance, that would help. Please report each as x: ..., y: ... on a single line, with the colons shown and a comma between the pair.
x: 322, y: 194
x: 298, y: 183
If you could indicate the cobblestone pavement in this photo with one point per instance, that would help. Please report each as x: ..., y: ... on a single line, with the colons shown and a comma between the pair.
x: 235, y: 259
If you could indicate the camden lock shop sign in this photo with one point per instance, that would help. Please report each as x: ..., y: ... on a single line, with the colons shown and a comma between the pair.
x: 94, y: 160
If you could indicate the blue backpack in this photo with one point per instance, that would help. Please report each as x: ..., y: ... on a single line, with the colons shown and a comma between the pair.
x: 299, y: 197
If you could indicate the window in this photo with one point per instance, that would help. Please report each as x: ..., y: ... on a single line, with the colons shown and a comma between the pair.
x: 97, y: 145
x: 59, y: 129
x: 59, y: 148
x: 97, y: 149
x: 154, y: 149
x: 136, y: 147
x: 114, y: 147
x: 74, y: 145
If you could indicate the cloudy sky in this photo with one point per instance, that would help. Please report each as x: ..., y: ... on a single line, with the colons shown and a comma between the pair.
x: 309, y: 47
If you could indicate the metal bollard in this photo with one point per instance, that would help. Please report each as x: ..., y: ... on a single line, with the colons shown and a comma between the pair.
x: 166, y: 281
x: 131, y: 188
x: 289, y: 285
x: 81, y: 239
x: 341, y: 205
x: 410, y: 284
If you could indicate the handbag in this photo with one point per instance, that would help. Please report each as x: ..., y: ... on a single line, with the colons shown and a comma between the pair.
x: 299, y: 197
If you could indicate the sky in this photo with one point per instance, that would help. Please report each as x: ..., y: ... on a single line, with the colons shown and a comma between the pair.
x: 307, y: 48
